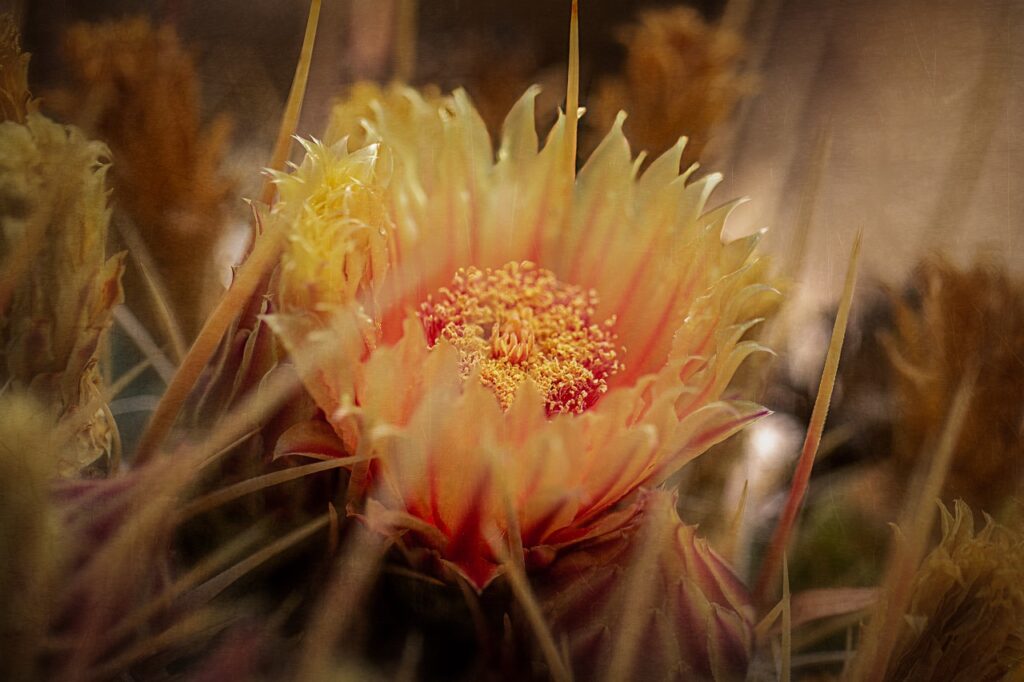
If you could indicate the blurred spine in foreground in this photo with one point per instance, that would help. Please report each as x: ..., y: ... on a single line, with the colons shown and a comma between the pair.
x: 29, y: 541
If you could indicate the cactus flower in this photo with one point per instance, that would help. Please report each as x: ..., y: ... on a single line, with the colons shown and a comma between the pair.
x: 517, y: 348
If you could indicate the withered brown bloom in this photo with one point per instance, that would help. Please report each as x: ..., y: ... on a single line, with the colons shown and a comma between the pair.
x: 681, y: 78
x: 964, y: 621
x: 966, y: 317
x: 135, y: 87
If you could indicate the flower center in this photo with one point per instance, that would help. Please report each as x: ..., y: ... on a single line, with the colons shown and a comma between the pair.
x: 520, y: 322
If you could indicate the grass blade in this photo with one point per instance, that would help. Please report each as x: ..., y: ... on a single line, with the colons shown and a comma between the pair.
x: 802, y: 476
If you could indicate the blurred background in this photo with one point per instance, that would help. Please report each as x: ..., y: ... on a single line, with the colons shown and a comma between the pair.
x: 897, y: 118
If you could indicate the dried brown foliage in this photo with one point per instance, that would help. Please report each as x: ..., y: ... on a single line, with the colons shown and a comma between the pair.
x: 16, y: 101
x: 681, y: 77
x: 965, y: 318
x: 134, y: 86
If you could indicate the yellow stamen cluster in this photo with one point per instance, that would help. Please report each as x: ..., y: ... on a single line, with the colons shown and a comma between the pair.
x: 521, y: 322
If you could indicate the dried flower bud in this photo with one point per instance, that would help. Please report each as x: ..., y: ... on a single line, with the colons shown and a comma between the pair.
x: 658, y: 587
x: 681, y: 78
x: 964, y: 621
x: 135, y: 87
